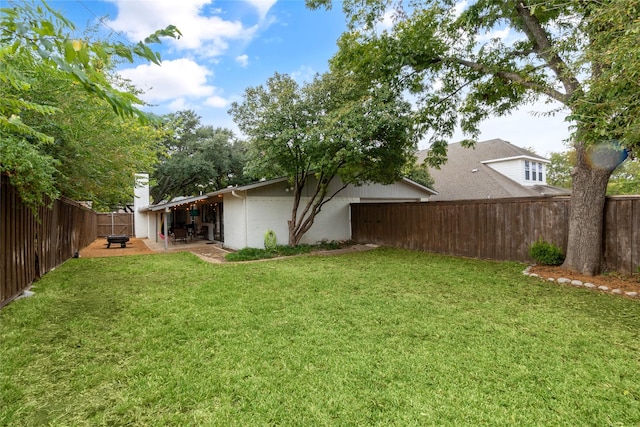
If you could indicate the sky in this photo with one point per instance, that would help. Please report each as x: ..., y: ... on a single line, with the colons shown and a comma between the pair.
x: 228, y: 46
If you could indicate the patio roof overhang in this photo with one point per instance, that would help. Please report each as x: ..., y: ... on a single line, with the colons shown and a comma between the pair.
x: 173, y: 203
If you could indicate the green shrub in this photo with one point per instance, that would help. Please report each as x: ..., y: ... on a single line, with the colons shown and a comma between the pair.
x: 270, y: 240
x: 546, y: 253
x: 250, y: 254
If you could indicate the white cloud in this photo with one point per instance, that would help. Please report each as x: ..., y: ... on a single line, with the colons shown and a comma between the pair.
x: 178, y: 105
x: 216, y: 102
x: 173, y: 80
x: 459, y: 8
x: 243, y: 60
x: 208, y: 35
x: 387, y: 22
x: 303, y: 74
x: 262, y: 6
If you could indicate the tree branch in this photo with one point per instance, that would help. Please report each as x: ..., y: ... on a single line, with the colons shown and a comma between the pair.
x: 543, y: 46
x: 514, y: 77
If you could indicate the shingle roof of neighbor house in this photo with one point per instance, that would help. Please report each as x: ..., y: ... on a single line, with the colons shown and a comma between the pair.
x: 466, y: 175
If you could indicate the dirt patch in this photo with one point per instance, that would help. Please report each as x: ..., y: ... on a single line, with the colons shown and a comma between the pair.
x: 612, y: 280
x: 99, y: 248
x: 210, y: 253
x: 207, y: 252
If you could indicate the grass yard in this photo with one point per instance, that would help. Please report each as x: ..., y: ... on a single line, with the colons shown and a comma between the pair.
x: 385, y: 337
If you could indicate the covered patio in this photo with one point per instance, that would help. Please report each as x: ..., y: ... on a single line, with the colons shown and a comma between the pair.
x: 185, y: 221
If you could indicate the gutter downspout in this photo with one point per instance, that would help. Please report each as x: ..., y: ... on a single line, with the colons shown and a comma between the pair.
x: 246, y: 218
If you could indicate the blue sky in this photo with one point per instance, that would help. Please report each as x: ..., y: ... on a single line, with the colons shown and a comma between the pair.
x: 230, y: 45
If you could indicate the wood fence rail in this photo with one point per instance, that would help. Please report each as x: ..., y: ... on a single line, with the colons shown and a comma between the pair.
x: 31, y: 245
x: 115, y: 223
x: 501, y: 229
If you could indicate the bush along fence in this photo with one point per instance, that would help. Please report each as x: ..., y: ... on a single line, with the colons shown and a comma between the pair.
x: 501, y: 229
x: 32, y: 244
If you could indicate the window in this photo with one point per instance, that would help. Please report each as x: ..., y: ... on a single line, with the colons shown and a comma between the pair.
x: 539, y: 171
x: 533, y: 171
x: 527, y: 169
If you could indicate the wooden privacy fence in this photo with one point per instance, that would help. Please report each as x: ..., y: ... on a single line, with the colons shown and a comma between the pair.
x: 30, y: 246
x: 501, y: 229
x: 115, y: 223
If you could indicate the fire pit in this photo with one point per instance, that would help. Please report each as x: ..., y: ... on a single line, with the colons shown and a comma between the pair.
x: 117, y: 238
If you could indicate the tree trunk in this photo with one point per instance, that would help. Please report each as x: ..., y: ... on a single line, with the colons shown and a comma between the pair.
x: 586, y: 216
x: 294, y: 239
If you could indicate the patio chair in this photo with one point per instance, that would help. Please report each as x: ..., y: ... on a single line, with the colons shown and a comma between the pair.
x: 180, y: 234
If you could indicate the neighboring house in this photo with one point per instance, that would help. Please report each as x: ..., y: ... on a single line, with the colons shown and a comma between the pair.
x: 494, y: 169
x: 240, y: 216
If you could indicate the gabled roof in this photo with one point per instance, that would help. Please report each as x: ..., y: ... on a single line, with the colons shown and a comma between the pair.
x: 428, y: 191
x: 188, y: 200
x: 247, y: 187
x: 466, y: 174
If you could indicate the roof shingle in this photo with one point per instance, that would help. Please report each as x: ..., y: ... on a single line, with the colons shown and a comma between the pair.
x: 465, y: 177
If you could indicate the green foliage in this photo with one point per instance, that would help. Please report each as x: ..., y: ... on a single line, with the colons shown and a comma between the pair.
x: 546, y: 253
x: 273, y: 251
x: 270, y: 240
x: 581, y: 54
x: 625, y: 179
x: 28, y: 170
x: 610, y: 109
x: 97, y: 152
x: 196, y: 158
x: 559, y: 170
x: 584, y: 55
x: 335, y: 126
x: 252, y: 254
x: 40, y: 34
x: 419, y: 173
x: 47, y: 79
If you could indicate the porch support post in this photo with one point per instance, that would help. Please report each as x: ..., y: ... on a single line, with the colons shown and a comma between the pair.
x: 166, y: 229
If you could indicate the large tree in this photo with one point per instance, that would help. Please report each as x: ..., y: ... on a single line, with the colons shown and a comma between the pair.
x: 583, y: 55
x: 196, y: 158
x: 36, y: 48
x: 96, y: 153
x: 335, y: 126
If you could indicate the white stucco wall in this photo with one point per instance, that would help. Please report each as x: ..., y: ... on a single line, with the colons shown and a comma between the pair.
x: 272, y: 213
x: 141, y: 199
x: 153, y: 226
x: 268, y: 207
x: 235, y: 236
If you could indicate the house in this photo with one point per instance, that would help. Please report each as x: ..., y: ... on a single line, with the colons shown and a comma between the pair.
x: 493, y: 169
x: 240, y: 216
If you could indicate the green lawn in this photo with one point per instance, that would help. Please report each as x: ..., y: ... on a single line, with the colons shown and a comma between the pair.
x: 385, y: 337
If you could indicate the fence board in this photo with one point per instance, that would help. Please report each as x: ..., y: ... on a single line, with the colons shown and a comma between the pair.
x: 496, y: 229
x: 115, y: 223
x: 31, y: 245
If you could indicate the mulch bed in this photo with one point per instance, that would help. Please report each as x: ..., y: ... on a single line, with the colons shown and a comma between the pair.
x: 611, y: 280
